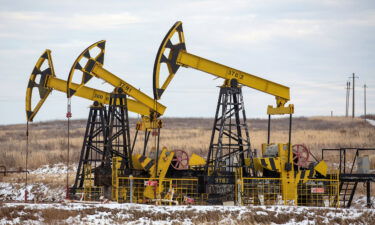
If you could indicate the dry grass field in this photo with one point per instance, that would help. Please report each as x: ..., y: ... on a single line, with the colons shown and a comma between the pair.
x: 48, y: 140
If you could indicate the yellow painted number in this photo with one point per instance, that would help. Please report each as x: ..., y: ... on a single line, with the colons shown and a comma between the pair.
x: 235, y: 74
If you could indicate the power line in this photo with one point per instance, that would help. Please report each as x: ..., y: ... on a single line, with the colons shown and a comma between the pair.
x: 353, y: 101
x: 364, y: 88
x: 347, y: 98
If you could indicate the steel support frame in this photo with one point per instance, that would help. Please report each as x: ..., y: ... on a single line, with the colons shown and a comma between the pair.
x: 230, y: 124
x: 107, y: 135
x: 118, y: 131
x: 94, y: 142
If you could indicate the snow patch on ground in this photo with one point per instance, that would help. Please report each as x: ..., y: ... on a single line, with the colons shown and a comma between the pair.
x: 372, y: 122
x: 361, y: 201
x: 59, y: 168
x: 114, y: 213
x: 14, y: 192
x: 44, y: 190
x: 36, y: 192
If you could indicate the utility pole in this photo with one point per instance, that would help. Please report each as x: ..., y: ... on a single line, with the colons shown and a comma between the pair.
x: 347, y: 98
x: 353, y: 103
x: 364, y: 88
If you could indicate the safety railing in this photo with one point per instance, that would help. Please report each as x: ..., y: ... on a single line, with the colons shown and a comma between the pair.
x: 318, y: 192
x: 247, y: 190
x: 116, y: 161
x: 164, y: 191
x: 90, y: 192
x: 268, y: 191
x: 260, y: 191
x: 186, y: 191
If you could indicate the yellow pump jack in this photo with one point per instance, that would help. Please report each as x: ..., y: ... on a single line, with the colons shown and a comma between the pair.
x: 174, y: 54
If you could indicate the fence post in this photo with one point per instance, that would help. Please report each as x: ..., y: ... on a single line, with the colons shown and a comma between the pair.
x: 131, y: 188
x: 171, y: 191
x: 239, y: 188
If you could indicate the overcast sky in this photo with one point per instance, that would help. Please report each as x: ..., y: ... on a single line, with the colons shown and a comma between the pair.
x: 310, y: 46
